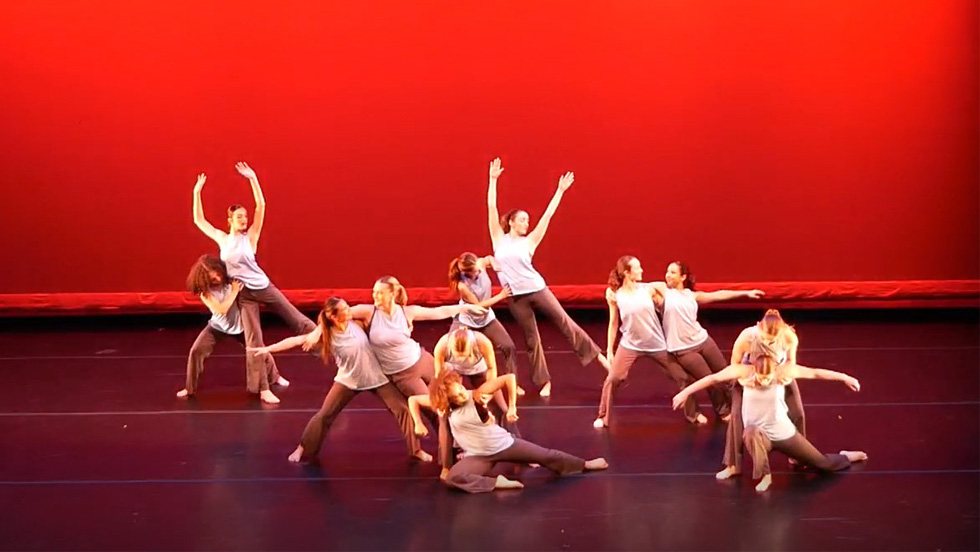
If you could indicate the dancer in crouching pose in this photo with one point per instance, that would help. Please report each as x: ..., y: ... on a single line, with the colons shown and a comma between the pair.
x: 485, y: 443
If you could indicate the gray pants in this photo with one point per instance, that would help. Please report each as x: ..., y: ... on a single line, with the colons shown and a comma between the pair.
x: 702, y: 361
x: 260, y: 372
x: 248, y: 303
x: 522, y: 307
x: 471, y: 473
x: 796, y: 447
x: 621, y: 364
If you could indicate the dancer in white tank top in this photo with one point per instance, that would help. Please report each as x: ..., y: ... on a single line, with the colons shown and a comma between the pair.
x: 238, y: 247
x: 633, y: 303
x: 686, y: 339
x: 208, y: 278
x: 764, y: 411
x: 468, y: 278
x: 484, y: 442
x: 783, y: 339
x: 339, y: 337
x: 513, y: 248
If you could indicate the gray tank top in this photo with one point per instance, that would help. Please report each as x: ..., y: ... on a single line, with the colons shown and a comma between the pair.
x: 470, y: 366
x: 480, y: 286
x: 765, y: 408
x: 391, y: 339
x: 473, y: 435
x: 681, y: 327
x: 239, y: 257
x: 229, y: 322
x: 514, y: 257
x: 357, y: 367
x: 640, y: 324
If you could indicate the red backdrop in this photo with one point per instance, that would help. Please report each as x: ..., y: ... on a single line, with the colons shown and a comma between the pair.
x: 758, y: 140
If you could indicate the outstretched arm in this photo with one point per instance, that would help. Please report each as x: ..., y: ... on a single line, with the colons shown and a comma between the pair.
x: 415, y: 312
x: 288, y: 343
x: 414, y: 402
x: 258, y: 219
x: 493, y: 216
x: 491, y: 386
x: 729, y: 373
x: 803, y: 372
x: 537, y: 234
x: 613, y: 324
x: 704, y: 297
x: 199, y: 220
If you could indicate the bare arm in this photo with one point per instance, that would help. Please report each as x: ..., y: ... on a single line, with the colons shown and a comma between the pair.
x: 613, y: 324
x: 731, y: 372
x: 439, y: 354
x: 198, y: 209
x: 284, y: 345
x: 538, y: 233
x: 491, y: 386
x: 493, y: 216
x: 415, y: 312
x: 803, y: 372
x: 486, y: 349
x: 794, y: 344
x: 740, y: 348
x: 362, y: 312
x: 222, y: 307
x: 258, y: 219
x: 467, y: 295
x: 414, y: 402
x: 704, y: 297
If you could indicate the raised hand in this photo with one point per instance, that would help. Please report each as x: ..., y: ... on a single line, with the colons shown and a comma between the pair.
x: 199, y: 185
x: 565, y: 182
x: 244, y: 170
x: 495, y: 169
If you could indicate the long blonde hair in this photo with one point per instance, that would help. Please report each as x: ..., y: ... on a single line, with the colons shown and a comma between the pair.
x: 775, y: 330
x: 764, y: 353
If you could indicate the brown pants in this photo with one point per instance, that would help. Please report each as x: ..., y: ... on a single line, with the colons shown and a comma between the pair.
x: 470, y: 473
x: 796, y: 447
x: 522, y: 307
x: 733, y: 437
x: 502, y: 344
x: 621, y: 364
x: 415, y: 380
x: 702, y: 361
x: 249, y: 301
x: 497, y: 407
x: 335, y: 401
x: 260, y: 372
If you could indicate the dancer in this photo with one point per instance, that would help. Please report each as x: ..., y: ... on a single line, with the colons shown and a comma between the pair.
x: 764, y: 411
x: 783, y: 339
x: 208, y: 278
x: 513, y: 248
x: 338, y: 336
x: 469, y: 279
x: 238, y: 248
x: 696, y: 351
x: 632, y: 301
x: 484, y: 442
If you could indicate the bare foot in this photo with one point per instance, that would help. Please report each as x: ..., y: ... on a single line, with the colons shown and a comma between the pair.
x: 855, y: 455
x: 297, y: 454
x: 604, y: 362
x: 596, y: 464
x: 700, y: 420
x: 764, y: 483
x: 598, y: 423
x: 422, y: 456
x: 730, y: 471
x: 269, y: 397
x: 546, y: 390
x: 444, y: 474
x: 533, y: 465
x: 183, y: 393
x: 282, y: 382
x: 504, y: 483
x: 520, y: 391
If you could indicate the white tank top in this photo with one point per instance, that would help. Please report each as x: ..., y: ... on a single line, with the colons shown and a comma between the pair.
x: 640, y: 324
x: 239, y: 257
x: 681, y: 327
x: 470, y: 366
x: 391, y: 339
x: 473, y: 435
x: 765, y: 407
x: 480, y: 286
x: 357, y: 367
x: 514, y: 257
x: 751, y: 333
x: 229, y: 322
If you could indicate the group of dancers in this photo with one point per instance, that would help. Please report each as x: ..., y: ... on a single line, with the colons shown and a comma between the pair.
x: 373, y: 349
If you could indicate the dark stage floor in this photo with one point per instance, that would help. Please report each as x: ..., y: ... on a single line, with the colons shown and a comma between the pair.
x: 98, y: 454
